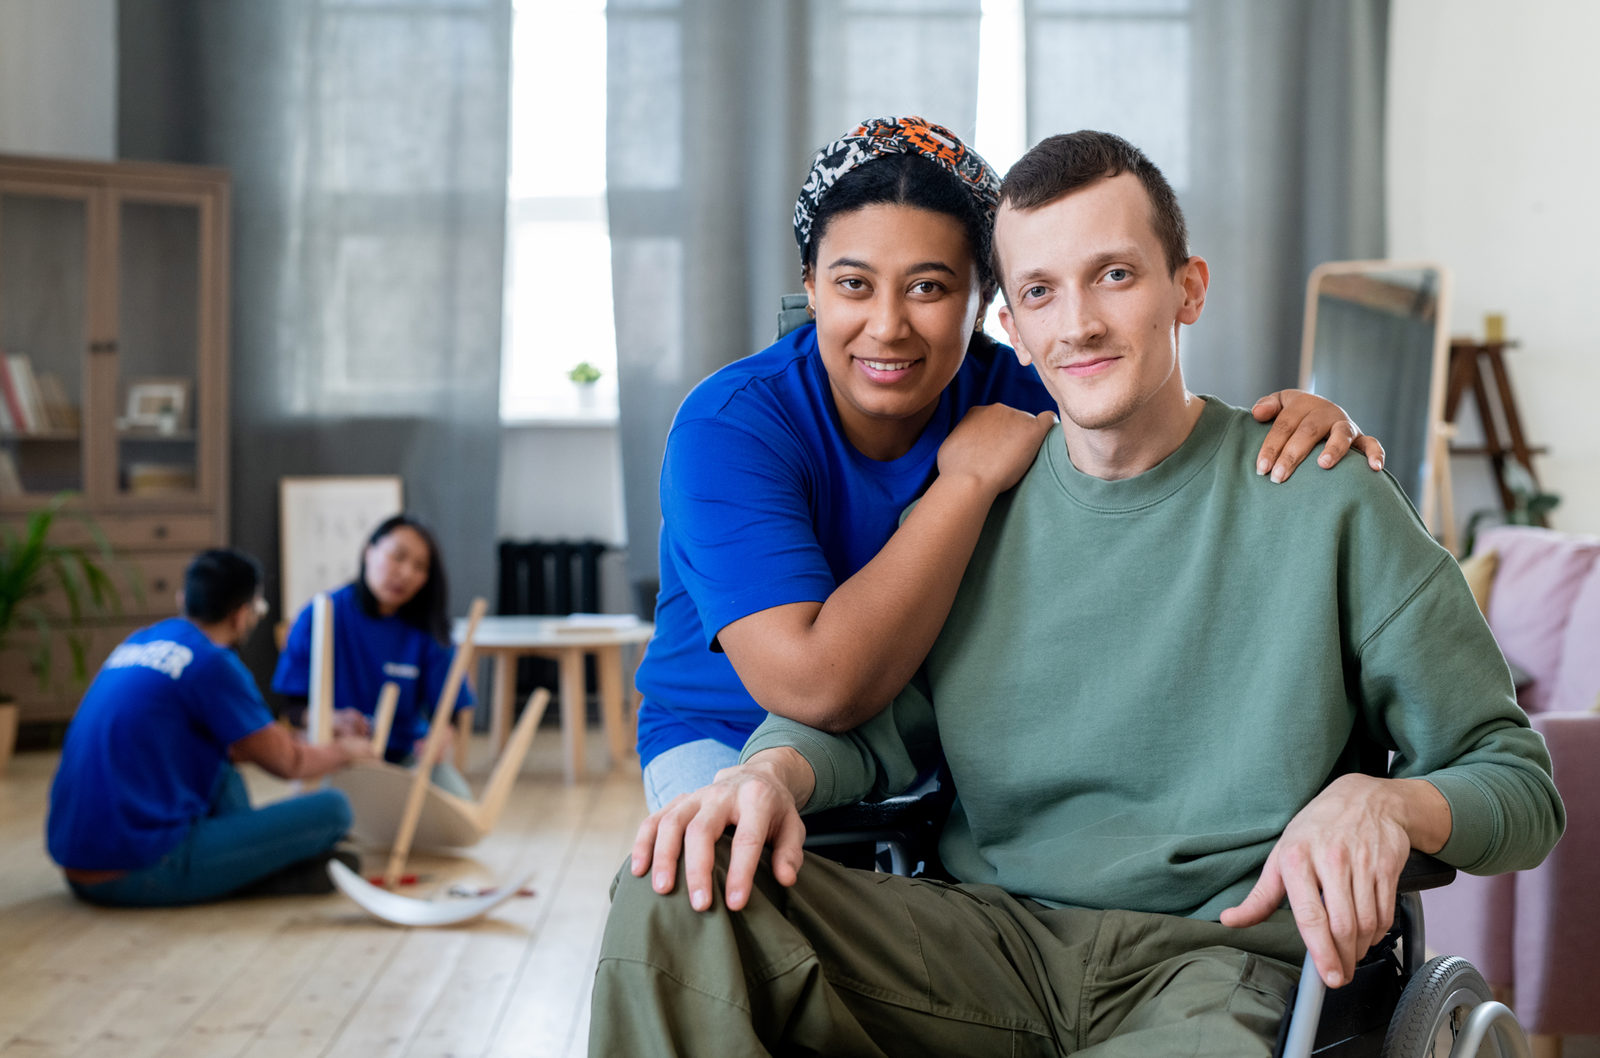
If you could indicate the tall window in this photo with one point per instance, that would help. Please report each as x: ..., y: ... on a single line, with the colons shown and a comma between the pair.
x: 1002, y: 132
x: 558, y: 249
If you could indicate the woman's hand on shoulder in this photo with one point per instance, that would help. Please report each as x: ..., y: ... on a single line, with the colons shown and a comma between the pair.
x: 994, y: 445
x: 1301, y: 420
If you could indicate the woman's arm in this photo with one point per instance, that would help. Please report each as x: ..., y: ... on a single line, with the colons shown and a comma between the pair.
x: 834, y: 664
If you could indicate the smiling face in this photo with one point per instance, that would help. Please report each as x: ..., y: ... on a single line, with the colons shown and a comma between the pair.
x: 1091, y: 302
x: 896, y: 294
x: 396, y: 568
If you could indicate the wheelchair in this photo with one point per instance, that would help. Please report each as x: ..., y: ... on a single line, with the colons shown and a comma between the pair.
x: 1399, y: 1005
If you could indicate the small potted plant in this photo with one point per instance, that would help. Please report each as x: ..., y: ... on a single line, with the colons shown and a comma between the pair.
x: 584, y: 376
x: 30, y: 566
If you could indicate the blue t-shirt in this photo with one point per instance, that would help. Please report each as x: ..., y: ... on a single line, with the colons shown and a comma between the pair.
x: 765, y: 502
x: 367, y: 653
x: 144, y: 751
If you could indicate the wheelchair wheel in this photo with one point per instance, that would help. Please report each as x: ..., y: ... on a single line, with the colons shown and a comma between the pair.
x: 1433, y: 1009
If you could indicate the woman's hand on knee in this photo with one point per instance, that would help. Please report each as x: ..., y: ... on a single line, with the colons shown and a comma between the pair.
x: 760, y: 799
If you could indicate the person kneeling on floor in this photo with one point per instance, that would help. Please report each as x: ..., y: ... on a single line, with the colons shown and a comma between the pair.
x: 147, y: 809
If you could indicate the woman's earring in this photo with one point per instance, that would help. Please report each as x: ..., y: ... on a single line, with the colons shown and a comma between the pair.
x: 811, y: 309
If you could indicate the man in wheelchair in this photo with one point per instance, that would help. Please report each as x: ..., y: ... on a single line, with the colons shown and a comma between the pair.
x: 1144, y: 692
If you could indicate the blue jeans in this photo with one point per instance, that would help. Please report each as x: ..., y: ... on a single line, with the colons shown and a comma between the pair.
x: 685, y: 768
x: 230, y: 848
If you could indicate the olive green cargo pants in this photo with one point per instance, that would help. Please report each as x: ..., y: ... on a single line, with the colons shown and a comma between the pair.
x: 852, y: 963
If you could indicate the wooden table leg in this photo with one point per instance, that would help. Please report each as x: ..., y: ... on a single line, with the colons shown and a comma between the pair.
x: 505, y: 687
x: 609, y: 661
x: 574, y: 717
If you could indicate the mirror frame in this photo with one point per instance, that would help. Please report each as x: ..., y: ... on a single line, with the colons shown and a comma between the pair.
x: 1438, y: 501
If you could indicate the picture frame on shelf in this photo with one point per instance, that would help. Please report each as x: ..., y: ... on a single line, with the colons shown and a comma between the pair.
x: 159, y: 405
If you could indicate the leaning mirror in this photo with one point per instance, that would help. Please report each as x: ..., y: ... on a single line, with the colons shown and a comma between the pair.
x: 1376, y: 342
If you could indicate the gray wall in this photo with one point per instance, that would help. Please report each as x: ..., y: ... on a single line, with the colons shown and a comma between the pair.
x: 58, y: 78
x: 368, y: 151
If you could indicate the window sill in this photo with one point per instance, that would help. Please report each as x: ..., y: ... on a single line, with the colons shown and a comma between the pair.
x: 592, y: 419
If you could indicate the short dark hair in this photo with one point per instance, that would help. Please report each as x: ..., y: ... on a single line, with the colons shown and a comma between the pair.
x: 218, y: 582
x: 1061, y: 164
x: 906, y: 180
x: 429, y: 608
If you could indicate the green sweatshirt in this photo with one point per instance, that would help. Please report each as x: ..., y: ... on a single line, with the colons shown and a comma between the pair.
x: 1142, y: 681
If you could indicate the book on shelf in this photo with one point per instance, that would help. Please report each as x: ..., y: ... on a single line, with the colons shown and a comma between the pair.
x: 27, y: 388
x: 8, y: 392
x: 10, y: 480
x: 60, y: 413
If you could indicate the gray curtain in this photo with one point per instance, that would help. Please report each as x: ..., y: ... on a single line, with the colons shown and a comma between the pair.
x: 367, y: 144
x: 1267, y: 115
x: 714, y: 110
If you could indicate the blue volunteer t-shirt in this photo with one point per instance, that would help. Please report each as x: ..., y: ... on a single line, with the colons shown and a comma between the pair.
x: 764, y: 502
x: 146, y: 746
x: 367, y: 653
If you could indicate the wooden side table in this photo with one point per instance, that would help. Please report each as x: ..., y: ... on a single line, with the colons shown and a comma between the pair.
x: 567, y: 641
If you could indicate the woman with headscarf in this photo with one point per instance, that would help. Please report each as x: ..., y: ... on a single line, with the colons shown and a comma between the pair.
x: 788, y: 581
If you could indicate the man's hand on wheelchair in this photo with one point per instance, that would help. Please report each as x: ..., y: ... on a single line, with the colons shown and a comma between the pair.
x: 1339, y: 862
x: 760, y: 798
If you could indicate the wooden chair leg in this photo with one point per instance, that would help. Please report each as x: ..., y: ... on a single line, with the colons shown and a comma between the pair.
x: 509, y: 765
x: 432, y: 749
x: 463, y: 737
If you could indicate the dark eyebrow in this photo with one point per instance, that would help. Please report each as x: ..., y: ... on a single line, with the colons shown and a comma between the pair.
x: 925, y: 266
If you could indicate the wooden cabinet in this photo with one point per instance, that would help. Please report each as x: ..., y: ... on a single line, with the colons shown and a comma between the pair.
x: 114, y: 324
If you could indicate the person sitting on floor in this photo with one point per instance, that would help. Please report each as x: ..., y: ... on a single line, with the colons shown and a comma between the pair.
x: 146, y: 809
x: 1146, y: 693
x: 390, y: 624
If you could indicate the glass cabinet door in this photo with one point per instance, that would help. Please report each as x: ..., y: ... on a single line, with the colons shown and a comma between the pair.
x: 158, y: 349
x: 44, y: 254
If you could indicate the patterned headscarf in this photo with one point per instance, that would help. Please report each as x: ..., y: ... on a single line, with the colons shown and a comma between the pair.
x: 881, y: 136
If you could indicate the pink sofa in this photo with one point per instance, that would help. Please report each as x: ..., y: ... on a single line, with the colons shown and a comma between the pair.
x: 1538, y: 931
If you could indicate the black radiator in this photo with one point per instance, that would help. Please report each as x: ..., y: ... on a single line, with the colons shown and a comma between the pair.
x: 548, y: 577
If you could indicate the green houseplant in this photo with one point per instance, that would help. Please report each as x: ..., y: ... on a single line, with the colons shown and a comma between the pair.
x: 31, y: 566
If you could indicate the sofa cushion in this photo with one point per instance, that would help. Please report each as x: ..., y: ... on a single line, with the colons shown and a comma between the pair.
x: 1577, y: 685
x: 1540, y: 575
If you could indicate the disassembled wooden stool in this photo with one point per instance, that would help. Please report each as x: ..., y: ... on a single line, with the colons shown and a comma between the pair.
x: 401, y: 807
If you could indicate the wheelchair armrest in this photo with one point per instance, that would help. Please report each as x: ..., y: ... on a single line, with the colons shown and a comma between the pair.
x: 925, y: 805
x: 1424, y: 872
x: 897, y: 813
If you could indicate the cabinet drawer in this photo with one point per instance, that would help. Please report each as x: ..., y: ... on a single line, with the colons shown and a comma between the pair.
x: 132, y: 531
x: 160, y: 576
x: 58, y: 698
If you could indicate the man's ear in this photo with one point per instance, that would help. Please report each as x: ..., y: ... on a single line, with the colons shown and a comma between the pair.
x: 1010, y: 324
x: 1195, y: 277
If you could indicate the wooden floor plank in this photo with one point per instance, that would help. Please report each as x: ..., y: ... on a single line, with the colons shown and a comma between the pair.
x: 552, y: 996
x: 389, y: 1017
x: 463, y: 1020
x: 240, y: 1012
x: 312, y: 976
x: 310, y: 1022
